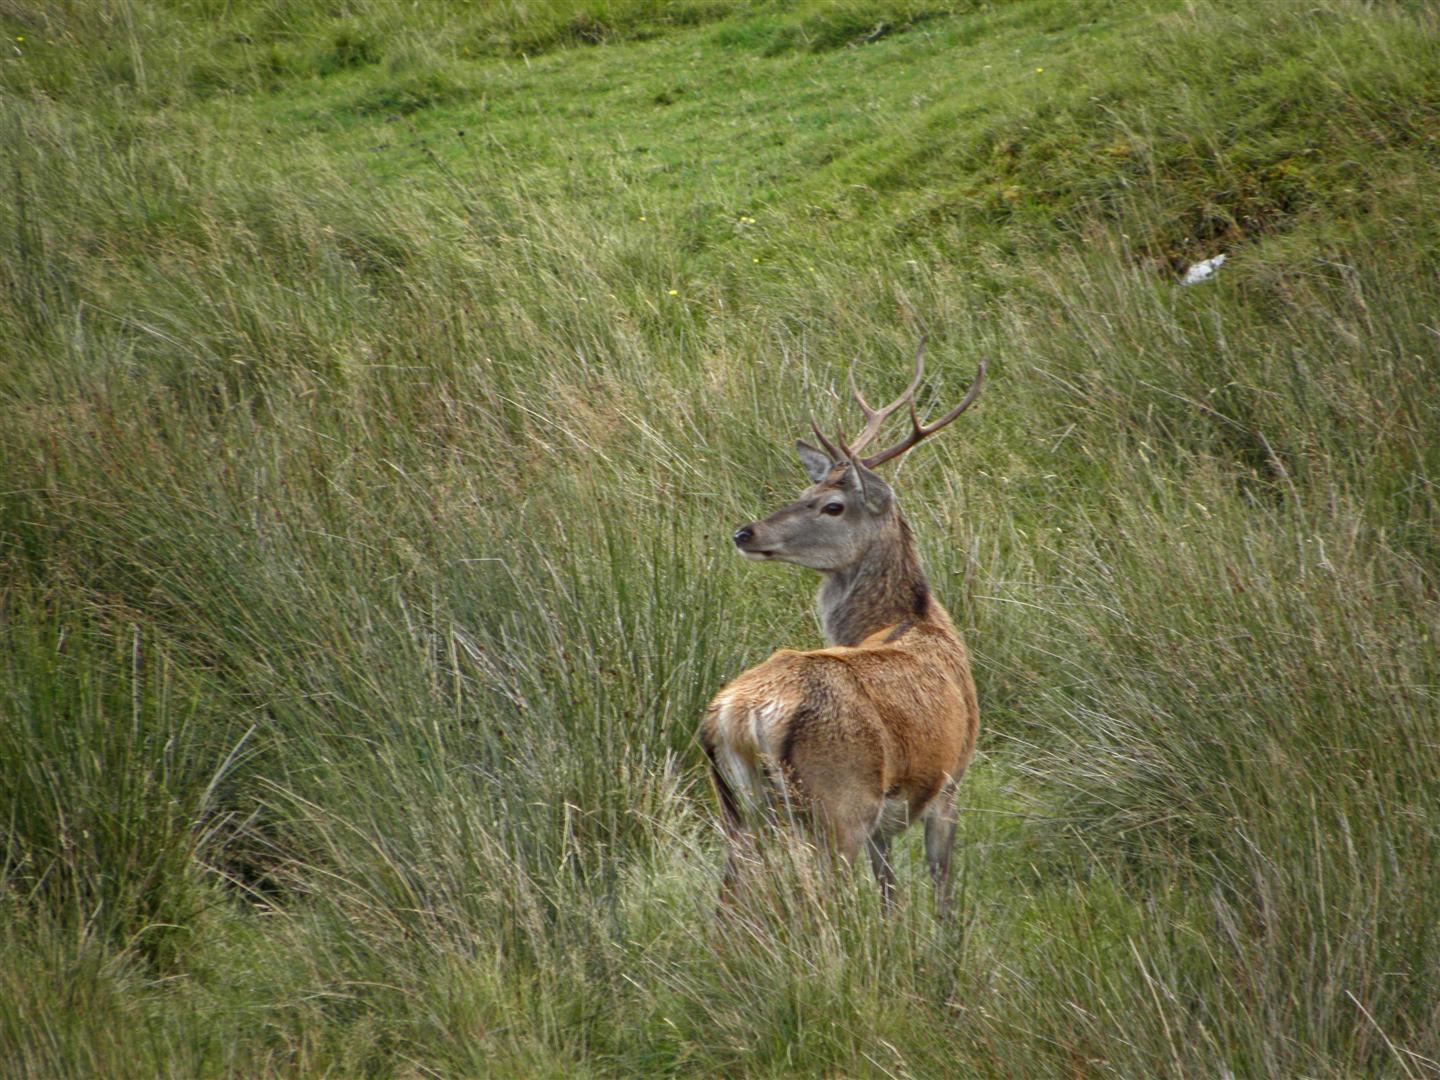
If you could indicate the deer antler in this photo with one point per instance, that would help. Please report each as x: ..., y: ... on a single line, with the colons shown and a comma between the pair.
x: 833, y: 451
x: 919, y: 431
x: 875, y: 418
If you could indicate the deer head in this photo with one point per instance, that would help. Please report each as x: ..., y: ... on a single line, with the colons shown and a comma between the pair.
x: 848, y: 507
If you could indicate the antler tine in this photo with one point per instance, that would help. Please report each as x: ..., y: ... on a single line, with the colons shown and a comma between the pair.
x: 875, y: 418
x: 824, y: 442
x: 919, y: 431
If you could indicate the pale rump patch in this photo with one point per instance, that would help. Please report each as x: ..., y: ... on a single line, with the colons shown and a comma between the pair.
x: 744, y: 735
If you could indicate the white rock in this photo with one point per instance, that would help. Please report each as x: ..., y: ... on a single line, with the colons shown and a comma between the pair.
x: 1202, y: 271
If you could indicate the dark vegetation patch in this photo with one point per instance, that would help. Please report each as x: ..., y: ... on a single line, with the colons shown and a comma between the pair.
x: 589, y: 22
x: 824, y: 27
x: 350, y: 46
x: 410, y: 93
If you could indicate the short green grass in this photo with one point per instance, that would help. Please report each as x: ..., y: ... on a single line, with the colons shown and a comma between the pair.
x: 381, y: 382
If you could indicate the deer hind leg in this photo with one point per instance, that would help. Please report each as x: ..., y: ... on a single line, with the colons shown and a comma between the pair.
x: 742, y: 854
x: 849, y: 828
x: 940, y: 821
x: 847, y: 816
x: 891, y: 821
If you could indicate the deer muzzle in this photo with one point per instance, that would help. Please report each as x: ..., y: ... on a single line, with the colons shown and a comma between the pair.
x: 745, y: 540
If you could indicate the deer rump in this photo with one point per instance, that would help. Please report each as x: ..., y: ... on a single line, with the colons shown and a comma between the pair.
x: 869, y: 738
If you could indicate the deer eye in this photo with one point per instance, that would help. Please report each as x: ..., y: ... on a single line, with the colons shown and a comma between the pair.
x: 833, y: 509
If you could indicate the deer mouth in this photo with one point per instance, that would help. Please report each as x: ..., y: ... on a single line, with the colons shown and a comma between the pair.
x: 759, y: 556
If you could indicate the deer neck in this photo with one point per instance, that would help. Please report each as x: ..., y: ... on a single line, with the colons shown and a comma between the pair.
x: 884, y: 587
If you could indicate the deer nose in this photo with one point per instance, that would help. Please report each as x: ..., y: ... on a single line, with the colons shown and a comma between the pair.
x: 743, y: 535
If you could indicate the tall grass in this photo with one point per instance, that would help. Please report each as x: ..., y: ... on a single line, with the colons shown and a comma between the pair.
x: 363, y: 571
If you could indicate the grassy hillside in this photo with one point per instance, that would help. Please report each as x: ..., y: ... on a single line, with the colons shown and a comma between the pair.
x: 380, y: 383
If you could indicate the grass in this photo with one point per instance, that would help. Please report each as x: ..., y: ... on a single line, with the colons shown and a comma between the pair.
x: 381, y: 384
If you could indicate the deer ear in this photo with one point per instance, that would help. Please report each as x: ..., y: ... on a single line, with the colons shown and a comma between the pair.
x: 874, y: 493
x: 815, y: 462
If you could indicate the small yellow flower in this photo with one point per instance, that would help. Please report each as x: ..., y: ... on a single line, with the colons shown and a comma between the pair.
x: 20, y: 37
x: 642, y: 217
x: 756, y: 259
x: 674, y: 292
x: 1039, y: 71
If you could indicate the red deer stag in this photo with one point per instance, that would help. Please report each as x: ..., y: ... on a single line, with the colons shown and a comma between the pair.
x: 874, y: 731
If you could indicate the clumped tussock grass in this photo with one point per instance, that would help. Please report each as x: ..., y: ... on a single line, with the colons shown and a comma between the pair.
x: 365, y: 485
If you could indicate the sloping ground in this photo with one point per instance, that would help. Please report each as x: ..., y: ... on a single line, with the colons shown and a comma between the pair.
x: 380, y: 382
